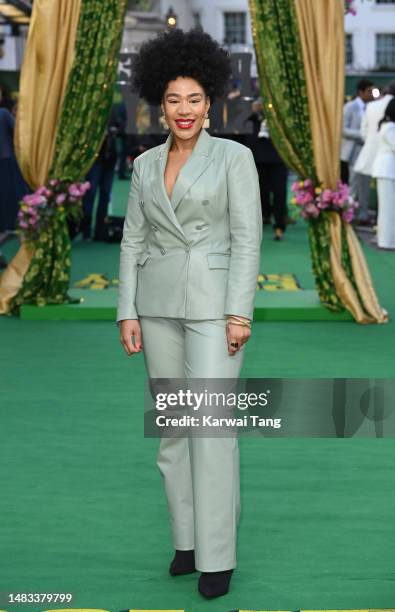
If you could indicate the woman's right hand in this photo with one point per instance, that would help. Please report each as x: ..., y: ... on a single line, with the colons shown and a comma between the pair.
x: 129, y: 328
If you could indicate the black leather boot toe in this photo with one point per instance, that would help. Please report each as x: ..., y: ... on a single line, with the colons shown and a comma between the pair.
x: 183, y: 563
x: 214, y: 584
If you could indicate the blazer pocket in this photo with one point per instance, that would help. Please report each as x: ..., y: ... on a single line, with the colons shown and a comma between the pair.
x: 218, y: 260
x: 142, y: 259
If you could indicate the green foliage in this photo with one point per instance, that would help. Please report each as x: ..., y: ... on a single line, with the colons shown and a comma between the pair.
x: 80, y: 132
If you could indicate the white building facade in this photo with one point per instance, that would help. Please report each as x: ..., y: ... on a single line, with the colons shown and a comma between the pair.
x: 227, y: 21
x: 370, y: 37
x: 370, y: 34
x: 13, y: 48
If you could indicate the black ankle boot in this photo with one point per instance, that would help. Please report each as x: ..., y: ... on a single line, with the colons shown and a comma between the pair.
x: 214, y: 584
x: 183, y: 563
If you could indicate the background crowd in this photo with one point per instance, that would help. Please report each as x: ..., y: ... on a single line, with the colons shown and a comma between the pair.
x: 367, y: 152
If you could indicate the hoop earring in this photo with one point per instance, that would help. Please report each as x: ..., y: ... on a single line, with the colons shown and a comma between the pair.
x: 206, y: 123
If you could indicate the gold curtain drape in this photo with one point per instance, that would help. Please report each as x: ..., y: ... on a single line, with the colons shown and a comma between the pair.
x: 321, y: 27
x: 364, y: 307
x: 48, y: 58
x: 12, y: 277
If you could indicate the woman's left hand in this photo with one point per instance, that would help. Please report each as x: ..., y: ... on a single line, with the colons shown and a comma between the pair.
x: 236, y: 334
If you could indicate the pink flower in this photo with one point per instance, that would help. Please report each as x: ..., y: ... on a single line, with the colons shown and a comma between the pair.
x: 349, y: 7
x: 54, y: 182
x: 326, y: 195
x: 322, y: 204
x: 343, y: 188
x: 60, y: 198
x: 311, y: 210
x: 348, y: 215
x: 85, y: 187
x: 307, y: 198
x: 35, y: 199
x: 74, y: 190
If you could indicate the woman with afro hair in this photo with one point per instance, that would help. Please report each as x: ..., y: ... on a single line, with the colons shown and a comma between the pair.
x: 189, y: 262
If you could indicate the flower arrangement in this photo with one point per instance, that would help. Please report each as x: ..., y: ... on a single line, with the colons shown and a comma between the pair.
x: 314, y: 200
x: 349, y: 7
x: 37, y: 209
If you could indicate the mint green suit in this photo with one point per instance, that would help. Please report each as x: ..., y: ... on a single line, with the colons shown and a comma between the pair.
x: 187, y: 262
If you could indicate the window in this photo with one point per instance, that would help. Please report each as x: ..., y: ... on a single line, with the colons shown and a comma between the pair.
x: 385, y: 1
x: 196, y: 20
x: 385, y: 50
x: 235, y: 28
x: 349, y: 50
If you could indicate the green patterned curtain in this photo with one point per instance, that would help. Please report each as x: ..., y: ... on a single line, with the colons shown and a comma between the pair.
x: 284, y: 93
x: 319, y: 234
x: 90, y: 89
x: 80, y: 133
x: 281, y: 74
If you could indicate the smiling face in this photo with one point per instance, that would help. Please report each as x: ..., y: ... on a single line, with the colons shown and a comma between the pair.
x: 185, y: 106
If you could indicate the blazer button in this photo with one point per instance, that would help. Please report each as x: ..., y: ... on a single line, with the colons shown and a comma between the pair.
x: 205, y: 202
x: 199, y: 227
x: 163, y: 251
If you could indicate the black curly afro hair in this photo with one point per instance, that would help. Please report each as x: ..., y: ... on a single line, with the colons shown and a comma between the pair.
x: 175, y: 53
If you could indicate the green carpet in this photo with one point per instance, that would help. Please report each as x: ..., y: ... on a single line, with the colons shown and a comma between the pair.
x: 82, y: 505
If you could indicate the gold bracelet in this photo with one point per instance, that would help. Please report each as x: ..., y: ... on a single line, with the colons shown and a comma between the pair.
x: 241, y: 319
x: 238, y: 318
x: 241, y: 324
x: 234, y: 321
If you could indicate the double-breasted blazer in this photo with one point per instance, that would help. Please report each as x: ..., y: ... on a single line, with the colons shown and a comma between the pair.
x: 197, y: 254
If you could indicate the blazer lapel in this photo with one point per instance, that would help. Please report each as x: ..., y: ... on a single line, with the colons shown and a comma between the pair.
x: 196, y: 164
x: 158, y: 189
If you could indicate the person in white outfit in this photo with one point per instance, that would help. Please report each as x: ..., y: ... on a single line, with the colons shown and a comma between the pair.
x: 384, y: 171
x: 363, y: 167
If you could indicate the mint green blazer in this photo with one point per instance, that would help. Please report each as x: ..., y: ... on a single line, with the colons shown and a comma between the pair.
x: 196, y: 255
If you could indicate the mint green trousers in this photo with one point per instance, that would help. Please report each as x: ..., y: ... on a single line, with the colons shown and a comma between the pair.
x: 200, y: 474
